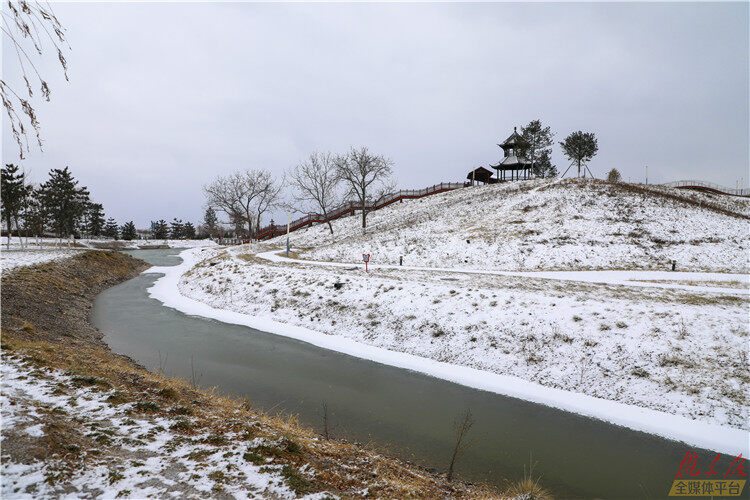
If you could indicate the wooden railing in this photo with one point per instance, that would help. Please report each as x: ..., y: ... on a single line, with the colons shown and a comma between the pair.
x: 350, y: 207
x: 708, y: 186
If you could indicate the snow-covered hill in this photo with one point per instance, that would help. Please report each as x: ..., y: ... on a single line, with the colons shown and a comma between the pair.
x: 547, y: 224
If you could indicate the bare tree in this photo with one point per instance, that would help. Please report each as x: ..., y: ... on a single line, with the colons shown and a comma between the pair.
x: 268, y: 193
x: 30, y: 28
x: 363, y: 172
x: 235, y: 195
x: 461, y: 429
x: 316, y: 182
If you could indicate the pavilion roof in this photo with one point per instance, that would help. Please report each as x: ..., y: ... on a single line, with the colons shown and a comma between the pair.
x: 514, y: 140
x: 512, y: 162
x: 480, y: 173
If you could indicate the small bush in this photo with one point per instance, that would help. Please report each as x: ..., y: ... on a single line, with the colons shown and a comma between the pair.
x: 291, y: 446
x: 168, y: 393
x: 217, y: 476
x: 672, y: 360
x: 88, y: 381
x: 640, y: 372
x: 296, y: 481
x: 28, y: 328
x: 564, y: 338
x: 216, y: 440
x: 181, y: 426
x: 117, y: 398
x: 182, y: 410
x: 614, y: 175
x: 254, y: 458
x: 146, y: 407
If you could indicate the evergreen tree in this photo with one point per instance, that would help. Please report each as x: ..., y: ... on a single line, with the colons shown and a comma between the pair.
x: 63, y: 201
x: 614, y: 175
x: 95, y: 220
x: 111, y: 230
x: 160, y: 230
x: 580, y: 147
x: 13, y: 191
x: 543, y: 167
x: 34, y: 219
x: 538, y: 140
x: 176, y: 230
x: 210, y: 221
x: 128, y: 231
x: 188, y: 230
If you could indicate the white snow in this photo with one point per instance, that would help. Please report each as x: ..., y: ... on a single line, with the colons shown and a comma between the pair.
x: 543, y: 225
x: 49, y: 249
x: 695, y: 281
x: 153, y: 460
x: 651, y: 359
x: 16, y: 257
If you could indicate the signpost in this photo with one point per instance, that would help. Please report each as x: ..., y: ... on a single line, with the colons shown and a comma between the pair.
x: 366, y: 258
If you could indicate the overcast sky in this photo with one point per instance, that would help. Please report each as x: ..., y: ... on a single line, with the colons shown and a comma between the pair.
x: 164, y: 97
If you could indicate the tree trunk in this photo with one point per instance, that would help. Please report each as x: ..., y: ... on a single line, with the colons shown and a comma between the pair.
x: 8, y: 222
x: 325, y: 216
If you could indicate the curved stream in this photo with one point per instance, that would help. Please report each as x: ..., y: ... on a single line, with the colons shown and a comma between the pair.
x: 407, y: 413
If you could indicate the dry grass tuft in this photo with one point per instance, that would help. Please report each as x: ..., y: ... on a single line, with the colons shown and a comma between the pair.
x: 528, y: 488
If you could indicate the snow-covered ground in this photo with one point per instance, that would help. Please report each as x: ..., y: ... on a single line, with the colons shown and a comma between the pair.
x: 49, y: 249
x: 563, y: 284
x: 545, y: 225
x: 134, y: 454
x: 677, y: 351
x: 170, y: 243
x: 45, y: 243
x: 16, y: 257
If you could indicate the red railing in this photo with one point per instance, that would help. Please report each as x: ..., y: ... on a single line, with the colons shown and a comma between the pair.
x: 350, y: 207
x: 708, y: 186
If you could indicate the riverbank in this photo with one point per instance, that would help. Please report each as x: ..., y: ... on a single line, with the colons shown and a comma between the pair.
x: 663, y: 360
x: 81, y: 420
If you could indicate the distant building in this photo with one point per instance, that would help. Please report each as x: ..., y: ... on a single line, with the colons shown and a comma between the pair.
x: 514, y: 159
x: 482, y: 175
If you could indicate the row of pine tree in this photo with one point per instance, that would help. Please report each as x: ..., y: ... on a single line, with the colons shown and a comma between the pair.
x: 61, y: 207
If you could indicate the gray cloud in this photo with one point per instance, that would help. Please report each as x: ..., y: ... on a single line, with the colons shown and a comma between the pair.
x: 163, y: 97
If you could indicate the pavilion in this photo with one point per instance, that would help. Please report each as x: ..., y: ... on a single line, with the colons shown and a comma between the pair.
x: 481, y: 174
x: 514, y: 159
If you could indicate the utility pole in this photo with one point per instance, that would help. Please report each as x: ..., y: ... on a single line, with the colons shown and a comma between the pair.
x: 287, y: 233
x: 646, y: 174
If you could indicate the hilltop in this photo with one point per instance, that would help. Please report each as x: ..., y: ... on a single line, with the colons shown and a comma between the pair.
x: 546, y: 225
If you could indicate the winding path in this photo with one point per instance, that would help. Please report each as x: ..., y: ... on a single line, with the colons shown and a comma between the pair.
x: 660, y: 279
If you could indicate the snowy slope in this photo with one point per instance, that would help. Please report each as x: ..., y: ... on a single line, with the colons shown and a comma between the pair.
x: 676, y: 351
x: 543, y: 224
